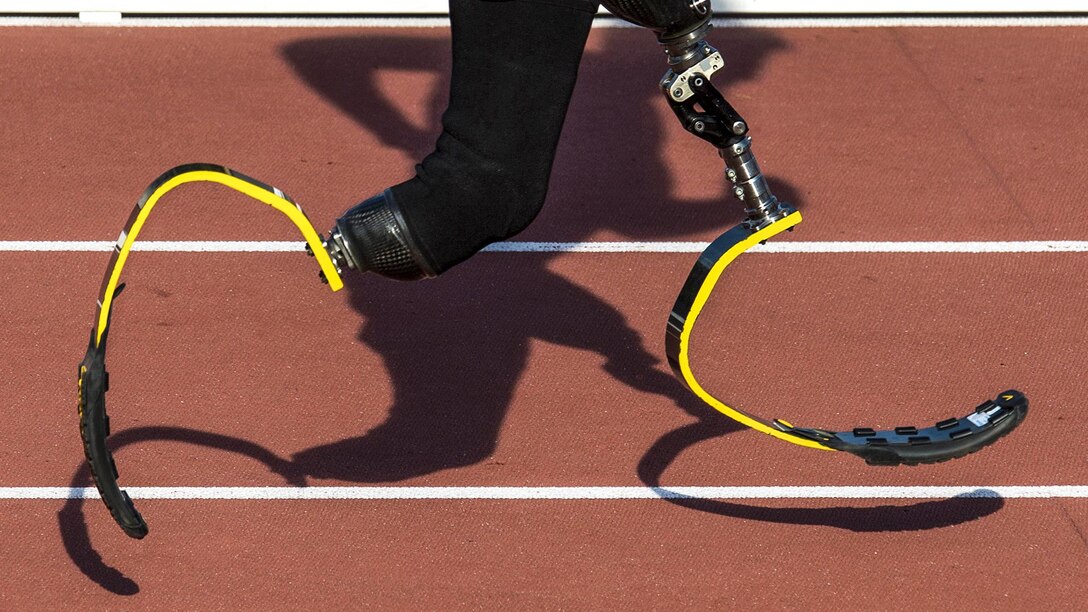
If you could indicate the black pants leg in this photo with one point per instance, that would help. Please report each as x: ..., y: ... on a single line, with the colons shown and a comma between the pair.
x: 515, y: 63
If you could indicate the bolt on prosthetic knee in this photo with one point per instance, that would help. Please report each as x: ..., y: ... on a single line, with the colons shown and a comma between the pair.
x: 681, y: 27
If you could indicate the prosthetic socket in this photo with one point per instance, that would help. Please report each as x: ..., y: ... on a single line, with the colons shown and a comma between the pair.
x: 485, y: 183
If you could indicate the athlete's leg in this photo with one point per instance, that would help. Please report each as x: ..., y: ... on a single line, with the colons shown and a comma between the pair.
x: 514, y: 67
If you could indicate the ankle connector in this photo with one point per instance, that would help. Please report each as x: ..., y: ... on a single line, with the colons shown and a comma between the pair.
x: 373, y: 236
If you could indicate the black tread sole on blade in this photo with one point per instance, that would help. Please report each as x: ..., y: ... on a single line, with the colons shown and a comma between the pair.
x: 94, y: 429
x: 944, y: 441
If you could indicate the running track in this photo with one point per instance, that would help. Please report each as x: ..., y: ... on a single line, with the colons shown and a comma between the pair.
x: 545, y: 369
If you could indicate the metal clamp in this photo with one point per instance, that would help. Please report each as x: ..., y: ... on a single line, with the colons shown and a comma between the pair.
x: 678, y: 86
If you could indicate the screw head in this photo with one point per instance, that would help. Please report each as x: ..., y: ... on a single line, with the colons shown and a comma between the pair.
x: 739, y: 128
x: 699, y: 126
x: 676, y: 93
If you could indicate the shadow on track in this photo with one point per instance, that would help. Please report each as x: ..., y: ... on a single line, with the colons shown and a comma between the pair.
x: 76, y: 539
x: 455, y: 360
x: 455, y: 357
x: 905, y: 517
x: 73, y: 524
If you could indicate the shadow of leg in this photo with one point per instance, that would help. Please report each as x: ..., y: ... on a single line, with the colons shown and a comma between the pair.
x: 453, y: 356
x: 911, y: 517
x: 73, y: 523
x: 77, y: 543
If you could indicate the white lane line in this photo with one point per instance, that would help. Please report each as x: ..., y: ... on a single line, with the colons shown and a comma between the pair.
x: 237, y: 246
x: 160, y: 246
x: 604, y: 22
x: 1042, y: 246
x: 559, y: 493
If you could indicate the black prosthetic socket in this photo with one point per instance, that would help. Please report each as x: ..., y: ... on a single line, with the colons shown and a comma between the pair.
x: 372, y: 236
x: 514, y: 68
x: 671, y: 20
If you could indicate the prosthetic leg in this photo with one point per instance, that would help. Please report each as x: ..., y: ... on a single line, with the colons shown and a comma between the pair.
x: 488, y: 175
x: 515, y: 63
x: 681, y: 27
x: 379, y: 234
x: 486, y: 181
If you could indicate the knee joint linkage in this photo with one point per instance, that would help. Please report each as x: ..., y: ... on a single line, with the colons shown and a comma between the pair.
x: 704, y: 112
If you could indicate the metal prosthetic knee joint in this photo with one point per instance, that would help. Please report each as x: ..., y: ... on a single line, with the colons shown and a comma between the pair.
x: 704, y: 112
x: 681, y: 27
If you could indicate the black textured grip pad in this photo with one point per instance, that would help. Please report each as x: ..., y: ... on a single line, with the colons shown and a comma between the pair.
x: 378, y: 240
x: 949, y: 439
x: 94, y: 428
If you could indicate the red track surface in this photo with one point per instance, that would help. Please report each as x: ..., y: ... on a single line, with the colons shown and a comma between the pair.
x: 538, y: 369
